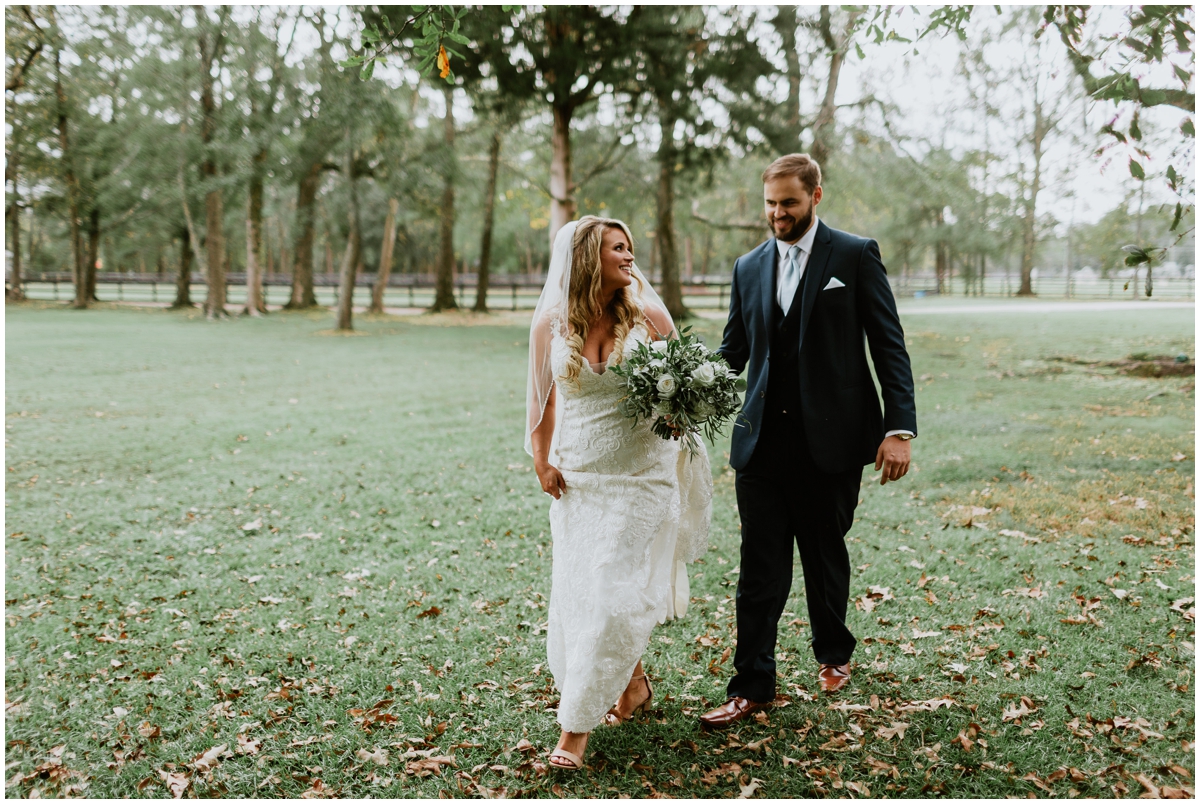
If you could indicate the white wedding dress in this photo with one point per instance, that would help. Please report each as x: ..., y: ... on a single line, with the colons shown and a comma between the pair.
x: 635, y: 510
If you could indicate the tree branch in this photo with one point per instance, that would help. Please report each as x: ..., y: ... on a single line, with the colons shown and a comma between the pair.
x: 17, y: 79
x: 734, y: 225
x: 1121, y: 86
x: 605, y: 163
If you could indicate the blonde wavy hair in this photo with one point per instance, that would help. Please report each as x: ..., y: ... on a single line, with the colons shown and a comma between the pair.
x: 584, y: 301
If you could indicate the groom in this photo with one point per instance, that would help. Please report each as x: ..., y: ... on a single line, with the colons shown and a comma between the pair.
x: 800, y: 306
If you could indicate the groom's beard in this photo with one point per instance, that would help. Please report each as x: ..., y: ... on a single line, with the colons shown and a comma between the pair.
x: 794, y: 234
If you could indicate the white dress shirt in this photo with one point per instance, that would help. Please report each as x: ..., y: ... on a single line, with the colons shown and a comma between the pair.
x: 806, y: 244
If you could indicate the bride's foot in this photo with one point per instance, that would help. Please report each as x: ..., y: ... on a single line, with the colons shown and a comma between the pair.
x: 568, y: 754
x: 636, y: 698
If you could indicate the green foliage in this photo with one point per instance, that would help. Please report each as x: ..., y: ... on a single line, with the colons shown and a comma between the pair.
x: 423, y: 30
x: 1154, y: 34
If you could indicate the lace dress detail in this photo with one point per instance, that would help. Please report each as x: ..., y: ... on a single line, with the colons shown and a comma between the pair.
x: 635, y: 509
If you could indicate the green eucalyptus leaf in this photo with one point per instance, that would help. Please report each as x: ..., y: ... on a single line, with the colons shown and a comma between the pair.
x: 1135, y: 169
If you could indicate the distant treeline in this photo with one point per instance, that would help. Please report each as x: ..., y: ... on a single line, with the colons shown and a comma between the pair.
x: 243, y: 139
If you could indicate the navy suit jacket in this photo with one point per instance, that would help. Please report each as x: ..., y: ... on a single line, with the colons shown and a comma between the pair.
x: 840, y: 405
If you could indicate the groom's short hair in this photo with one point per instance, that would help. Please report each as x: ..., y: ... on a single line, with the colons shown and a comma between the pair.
x: 802, y: 166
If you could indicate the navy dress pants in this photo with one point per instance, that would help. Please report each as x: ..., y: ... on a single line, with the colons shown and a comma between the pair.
x: 784, y: 499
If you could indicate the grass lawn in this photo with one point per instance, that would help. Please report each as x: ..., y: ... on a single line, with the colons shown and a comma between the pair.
x: 253, y: 558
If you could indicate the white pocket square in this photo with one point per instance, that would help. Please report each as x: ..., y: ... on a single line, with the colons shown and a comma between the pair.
x: 834, y: 282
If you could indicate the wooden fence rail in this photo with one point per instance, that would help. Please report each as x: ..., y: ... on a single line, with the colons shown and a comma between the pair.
x: 521, y: 291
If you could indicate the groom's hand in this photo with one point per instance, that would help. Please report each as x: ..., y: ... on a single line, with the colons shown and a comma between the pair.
x: 893, y: 457
x: 551, y: 479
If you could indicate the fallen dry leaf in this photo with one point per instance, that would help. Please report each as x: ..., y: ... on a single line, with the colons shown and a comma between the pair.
x: 149, y: 730
x: 926, y: 706
x: 427, y: 767
x: 177, y: 783
x: 1018, y: 711
x: 747, y: 790
x: 966, y: 737
x: 1020, y: 534
x: 894, y: 731
x: 1037, y: 781
x: 248, y: 745
x: 378, y: 755
x: 205, y: 761
x: 1184, y: 606
x: 318, y: 790
x: 860, y: 788
x: 846, y: 706
x: 879, y: 767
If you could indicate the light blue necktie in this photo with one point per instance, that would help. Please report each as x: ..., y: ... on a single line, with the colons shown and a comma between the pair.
x: 790, y: 278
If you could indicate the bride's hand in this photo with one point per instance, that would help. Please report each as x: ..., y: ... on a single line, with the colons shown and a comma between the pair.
x: 677, y: 431
x: 551, y: 480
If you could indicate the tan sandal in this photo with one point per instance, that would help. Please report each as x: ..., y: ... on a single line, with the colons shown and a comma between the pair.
x: 573, y: 761
x: 614, y: 718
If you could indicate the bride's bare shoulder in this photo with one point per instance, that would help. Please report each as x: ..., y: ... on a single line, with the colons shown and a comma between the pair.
x: 660, y: 320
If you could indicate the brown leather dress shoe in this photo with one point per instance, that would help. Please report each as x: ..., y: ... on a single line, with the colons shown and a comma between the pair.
x: 833, y: 677
x: 731, y: 712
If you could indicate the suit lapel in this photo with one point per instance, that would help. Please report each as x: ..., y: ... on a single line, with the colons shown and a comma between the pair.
x: 816, y: 275
x: 766, y: 278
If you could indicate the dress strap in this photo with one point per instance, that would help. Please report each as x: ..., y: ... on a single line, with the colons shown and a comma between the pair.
x: 648, y: 320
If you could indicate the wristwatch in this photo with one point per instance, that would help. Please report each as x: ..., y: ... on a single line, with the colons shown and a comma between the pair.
x: 905, y: 436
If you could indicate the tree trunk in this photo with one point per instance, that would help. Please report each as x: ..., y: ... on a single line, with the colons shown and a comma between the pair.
x: 214, y: 242
x: 345, y: 312
x: 303, y: 296
x: 33, y: 239
x: 489, y: 222
x: 385, y: 257
x: 214, y: 236
x: 444, y: 293
x: 183, y: 282
x: 12, y: 216
x: 940, y: 259
x: 284, y: 265
x: 672, y: 293
x: 254, y: 295
x: 93, y: 257
x: 562, y: 203
x: 823, y: 126
x: 1028, y: 225
x: 64, y: 144
x: 785, y: 25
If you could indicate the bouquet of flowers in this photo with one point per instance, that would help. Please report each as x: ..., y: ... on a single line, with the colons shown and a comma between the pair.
x: 683, y: 386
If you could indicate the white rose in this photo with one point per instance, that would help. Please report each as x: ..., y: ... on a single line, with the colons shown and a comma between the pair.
x: 666, y: 386
x: 705, y: 375
x: 657, y: 364
x: 659, y: 346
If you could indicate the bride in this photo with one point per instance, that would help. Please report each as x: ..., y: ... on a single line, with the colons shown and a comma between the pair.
x: 629, y: 508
